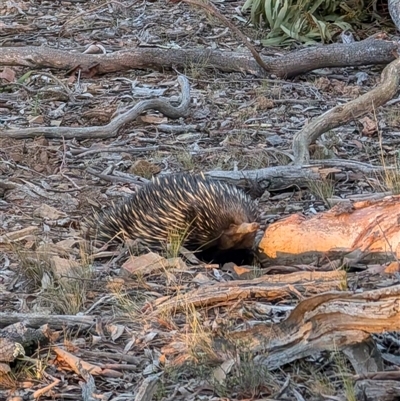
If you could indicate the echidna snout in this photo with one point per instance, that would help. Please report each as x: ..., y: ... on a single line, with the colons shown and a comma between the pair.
x: 212, y: 214
x: 240, y: 236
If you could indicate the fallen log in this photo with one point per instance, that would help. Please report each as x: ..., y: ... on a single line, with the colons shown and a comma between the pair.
x: 269, y: 288
x: 325, y: 322
x: 366, y: 52
x: 373, y: 390
x: 56, y: 322
x: 280, y: 177
x: 368, y: 227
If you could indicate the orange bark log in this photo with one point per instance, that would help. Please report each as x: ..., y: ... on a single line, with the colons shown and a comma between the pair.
x: 370, y: 227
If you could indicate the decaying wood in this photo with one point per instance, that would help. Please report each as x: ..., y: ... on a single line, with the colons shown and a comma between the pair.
x: 374, y: 390
x: 278, y: 177
x: 365, y: 357
x: 112, y: 128
x: 342, y: 114
x: 84, y: 368
x: 56, y: 322
x: 359, y: 197
x: 21, y: 333
x: 382, y: 375
x: 75, y: 363
x: 15, y: 337
x: 269, y: 288
x: 44, y: 390
x: 148, y: 388
x: 366, y: 52
x: 369, y: 227
x: 18, y: 235
x: 328, y: 321
x: 394, y: 11
x: 9, y: 349
x: 270, y: 178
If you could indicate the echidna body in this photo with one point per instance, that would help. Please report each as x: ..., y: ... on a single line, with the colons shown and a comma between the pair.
x: 205, y: 212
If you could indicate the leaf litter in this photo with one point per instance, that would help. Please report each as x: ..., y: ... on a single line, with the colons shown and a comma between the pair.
x: 48, y: 186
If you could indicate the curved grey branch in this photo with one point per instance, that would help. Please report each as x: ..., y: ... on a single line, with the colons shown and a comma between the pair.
x: 394, y: 11
x: 112, y: 128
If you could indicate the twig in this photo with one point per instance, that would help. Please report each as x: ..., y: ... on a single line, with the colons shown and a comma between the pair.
x: 342, y: 114
x: 112, y: 128
x: 213, y: 10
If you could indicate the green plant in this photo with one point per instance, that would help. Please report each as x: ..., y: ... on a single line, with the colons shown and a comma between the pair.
x: 197, y: 70
x: 306, y: 21
x: 31, y: 368
x: 249, y: 378
x: 34, y: 267
x: 8, y: 381
x: 37, y: 99
x: 63, y: 292
x: 320, y: 385
x: 129, y: 304
x: 393, y: 117
x: 143, y: 168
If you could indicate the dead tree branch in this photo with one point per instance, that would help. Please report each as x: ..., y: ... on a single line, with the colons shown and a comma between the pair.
x: 342, y: 114
x: 369, y: 51
x: 327, y: 321
x: 365, y: 228
x: 394, y: 11
x: 267, y: 287
x: 278, y: 177
x: 57, y: 322
x: 213, y: 10
x: 111, y: 129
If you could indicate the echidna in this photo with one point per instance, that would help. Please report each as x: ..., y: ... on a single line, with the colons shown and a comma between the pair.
x: 209, y: 215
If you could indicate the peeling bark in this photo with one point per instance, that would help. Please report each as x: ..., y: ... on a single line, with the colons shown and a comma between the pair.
x: 267, y: 287
x: 377, y: 390
x: 328, y: 321
x: 365, y: 227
